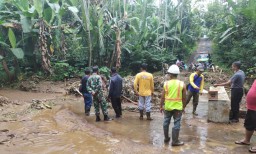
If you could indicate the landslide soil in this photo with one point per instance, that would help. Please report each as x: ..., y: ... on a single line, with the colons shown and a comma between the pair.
x: 49, y: 120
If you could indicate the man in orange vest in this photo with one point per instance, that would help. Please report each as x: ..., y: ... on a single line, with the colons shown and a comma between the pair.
x: 174, y: 99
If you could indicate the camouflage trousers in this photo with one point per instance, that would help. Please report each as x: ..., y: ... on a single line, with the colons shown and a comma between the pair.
x: 99, y: 101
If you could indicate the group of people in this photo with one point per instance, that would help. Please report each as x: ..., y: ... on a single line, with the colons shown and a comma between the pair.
x: 175, y: 96
x: 93, y: 91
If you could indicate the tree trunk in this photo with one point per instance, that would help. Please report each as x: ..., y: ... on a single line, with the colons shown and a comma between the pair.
x: 5, y: 67
x: 16, y: 68
x: 118, y: 49
x: 7, y: 71
x: 46, y: 65
x: 87, y: 14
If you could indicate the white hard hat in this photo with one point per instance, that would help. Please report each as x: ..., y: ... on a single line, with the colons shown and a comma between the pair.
x: 174, y: 69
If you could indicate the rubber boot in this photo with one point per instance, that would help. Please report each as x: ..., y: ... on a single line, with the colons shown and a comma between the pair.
x: 175, y: 138
x: 87, y: 112
x: 141, y: 114
x: 98, y: 118
x: 194, y: 110
x: 166, y: 136
x: 148, y: 116
x: 231, y: 115
x: 106, y: 118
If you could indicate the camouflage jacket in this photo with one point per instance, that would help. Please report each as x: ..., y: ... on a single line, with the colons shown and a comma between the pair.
x: 94, y: 84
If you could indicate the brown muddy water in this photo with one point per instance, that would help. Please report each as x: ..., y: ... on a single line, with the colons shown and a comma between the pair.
x: 65, y: 129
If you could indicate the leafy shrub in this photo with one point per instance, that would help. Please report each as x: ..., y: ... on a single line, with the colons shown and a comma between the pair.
x: 63, y: 70
x: 105, y: 71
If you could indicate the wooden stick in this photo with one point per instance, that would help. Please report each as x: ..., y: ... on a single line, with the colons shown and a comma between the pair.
x: 130, y: 100
x: 78, y: 92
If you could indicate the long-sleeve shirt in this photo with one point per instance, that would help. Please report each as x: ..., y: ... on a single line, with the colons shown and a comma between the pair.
x: 83, y: 83
x: 115, y: 86
x: 196, y: 82
x: 94, y: 84
x: 145, y: 82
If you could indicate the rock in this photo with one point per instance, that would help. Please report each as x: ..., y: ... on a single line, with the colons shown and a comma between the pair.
x: 4, y: 101
x: 4, y: 141
x: 4, y: 130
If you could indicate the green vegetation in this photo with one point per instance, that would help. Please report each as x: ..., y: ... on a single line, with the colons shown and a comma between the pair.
x: 62, y: 37
x: 232, y: 27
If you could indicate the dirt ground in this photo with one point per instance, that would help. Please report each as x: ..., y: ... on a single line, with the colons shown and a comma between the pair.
x: 48, y: 117
x: 48, y: 120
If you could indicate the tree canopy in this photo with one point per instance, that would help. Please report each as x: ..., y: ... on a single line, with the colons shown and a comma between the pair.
x: 59, y: 38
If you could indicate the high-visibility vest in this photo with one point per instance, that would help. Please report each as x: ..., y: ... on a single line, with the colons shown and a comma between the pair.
x: 173, y: 95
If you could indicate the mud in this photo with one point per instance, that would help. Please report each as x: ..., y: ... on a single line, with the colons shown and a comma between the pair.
x: 65, y: 129
x: 46, y: 120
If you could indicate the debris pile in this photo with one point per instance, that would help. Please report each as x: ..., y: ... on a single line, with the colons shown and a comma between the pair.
x: 128, y: 90
x: 213, y: 78
x: 30, y: 84
x: 4, y: 101
x: 41, y: 104
x: 73, y: 88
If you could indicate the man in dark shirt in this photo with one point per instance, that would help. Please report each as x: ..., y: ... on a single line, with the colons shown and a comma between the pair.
x: 87, y: 96
x: 115, y: 90
x: 237, y: 84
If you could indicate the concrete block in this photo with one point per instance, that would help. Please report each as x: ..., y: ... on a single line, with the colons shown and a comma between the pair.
x: 218, y: 110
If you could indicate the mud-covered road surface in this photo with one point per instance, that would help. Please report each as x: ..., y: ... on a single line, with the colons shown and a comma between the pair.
x: 47, y: 120
x: 64, y: 128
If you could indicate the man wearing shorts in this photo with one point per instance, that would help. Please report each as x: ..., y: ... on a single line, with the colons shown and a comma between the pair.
x: 250, y: 119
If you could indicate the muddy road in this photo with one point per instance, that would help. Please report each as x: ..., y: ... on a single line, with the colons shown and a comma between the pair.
x: 204, y: 48
x: 47, y: 120
x: 63, y: 128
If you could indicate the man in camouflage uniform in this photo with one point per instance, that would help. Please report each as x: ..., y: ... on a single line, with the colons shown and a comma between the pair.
x: 94, y: 86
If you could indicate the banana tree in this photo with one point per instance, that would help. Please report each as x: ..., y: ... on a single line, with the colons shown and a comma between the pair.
x: 17, y: 53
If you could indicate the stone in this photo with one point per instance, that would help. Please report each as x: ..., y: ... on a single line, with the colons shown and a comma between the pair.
x: 218, y: 110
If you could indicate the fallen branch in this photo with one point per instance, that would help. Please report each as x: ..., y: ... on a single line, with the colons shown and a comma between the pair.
x: 129, y: 100
x: 78, y: 91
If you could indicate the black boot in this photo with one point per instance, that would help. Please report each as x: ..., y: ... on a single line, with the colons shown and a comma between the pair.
x: 231, y: 115
x: 235, y: 117
x: 106, y: 118
x: 87, y: 112
x: 175, y: 138
x: 148, y: 116
x: 98, y: 118
x: 194, y: 110
x: 166, y: 136
x: 141, y: 114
